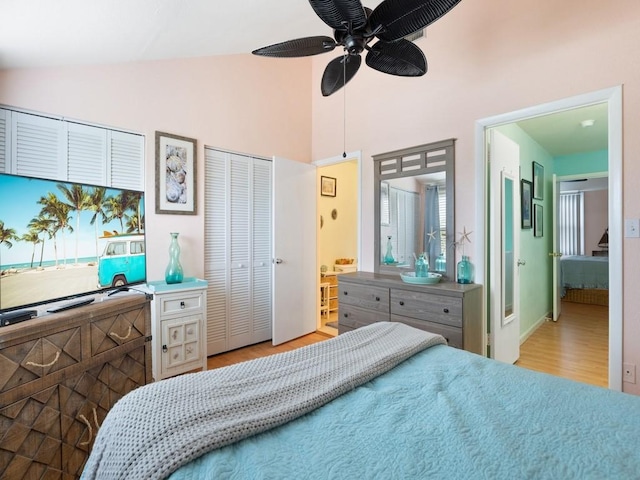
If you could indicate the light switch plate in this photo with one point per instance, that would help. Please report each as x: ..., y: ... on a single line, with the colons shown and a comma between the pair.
x: 631, y: 227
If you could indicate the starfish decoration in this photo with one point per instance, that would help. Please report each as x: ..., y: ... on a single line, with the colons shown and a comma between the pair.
x: 464, y: 235
x: 431, y: 235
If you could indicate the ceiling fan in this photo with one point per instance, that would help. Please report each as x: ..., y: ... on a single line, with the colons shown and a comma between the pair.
x: 355, y: 26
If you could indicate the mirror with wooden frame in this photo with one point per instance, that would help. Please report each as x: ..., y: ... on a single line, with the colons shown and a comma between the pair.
x: 414, y: 208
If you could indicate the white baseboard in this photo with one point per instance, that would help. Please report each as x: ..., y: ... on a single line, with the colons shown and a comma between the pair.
x: 525, y: 335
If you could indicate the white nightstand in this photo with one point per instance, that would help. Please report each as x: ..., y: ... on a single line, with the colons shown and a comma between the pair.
x: 178, y: 326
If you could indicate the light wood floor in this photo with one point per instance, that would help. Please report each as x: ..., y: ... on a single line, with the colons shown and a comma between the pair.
x: 575, y: 347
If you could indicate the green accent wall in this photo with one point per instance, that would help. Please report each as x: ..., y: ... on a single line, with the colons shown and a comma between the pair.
x: 536, y: 276
x: 581, y: 163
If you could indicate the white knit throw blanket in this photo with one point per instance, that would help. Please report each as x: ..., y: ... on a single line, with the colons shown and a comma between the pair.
x: 155, y: 429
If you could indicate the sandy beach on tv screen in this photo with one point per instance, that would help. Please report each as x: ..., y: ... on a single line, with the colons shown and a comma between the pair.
x: 28, y: 286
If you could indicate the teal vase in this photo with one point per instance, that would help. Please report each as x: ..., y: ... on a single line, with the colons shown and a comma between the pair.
x: 388, y: 257
x: 173, y: 273
x: 465, y: 270
x: 441, y: 264
x: 422, y: 266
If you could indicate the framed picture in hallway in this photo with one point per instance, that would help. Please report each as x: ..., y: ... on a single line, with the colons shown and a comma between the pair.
x: 525, y: 203
x: 328, y: 186
x: 537, y: 221
x: 538, y: 181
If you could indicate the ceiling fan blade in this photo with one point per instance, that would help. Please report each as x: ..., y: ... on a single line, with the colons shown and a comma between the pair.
x: 337, y: 74
x: 300, y: 47
x: 339, y: 13
x: 399, y: 18
x: 402, y: 58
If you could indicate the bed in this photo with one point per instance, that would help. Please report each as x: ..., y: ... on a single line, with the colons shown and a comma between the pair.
x: 426, y: 410
x: 585, y: 279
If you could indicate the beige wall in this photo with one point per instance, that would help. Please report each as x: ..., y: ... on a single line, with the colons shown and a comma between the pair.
x: 487, y: 58
x: 219, y: 101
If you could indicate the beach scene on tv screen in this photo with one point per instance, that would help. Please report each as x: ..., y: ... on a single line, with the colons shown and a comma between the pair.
x: 62, y: 239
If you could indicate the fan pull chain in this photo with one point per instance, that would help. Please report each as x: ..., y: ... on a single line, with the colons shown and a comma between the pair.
x: 344, y: 107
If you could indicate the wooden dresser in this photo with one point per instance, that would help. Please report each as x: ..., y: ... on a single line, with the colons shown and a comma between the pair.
x: 59, y: 376
x: 449, y: 309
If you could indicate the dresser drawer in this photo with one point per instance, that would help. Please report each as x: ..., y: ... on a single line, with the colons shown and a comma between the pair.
x: 426, y: 306
x: 356, y: 317
x: 33, y: 359
x: 452, y: 335
x: 115, y: 330
x: 364, y: 296
x: 182, y: 303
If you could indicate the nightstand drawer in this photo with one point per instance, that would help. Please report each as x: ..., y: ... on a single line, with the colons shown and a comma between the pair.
x: 181, y: 303
x: 429, y: 307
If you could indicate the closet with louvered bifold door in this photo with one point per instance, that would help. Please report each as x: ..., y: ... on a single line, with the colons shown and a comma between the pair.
x: 237, y: 259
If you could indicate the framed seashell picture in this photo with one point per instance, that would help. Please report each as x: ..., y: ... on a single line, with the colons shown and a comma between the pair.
x: 175, y: 174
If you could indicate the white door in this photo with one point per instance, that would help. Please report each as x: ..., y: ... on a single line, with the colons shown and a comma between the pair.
x: 294, y: 250
x: 557, y: 304
x: 504, y: 202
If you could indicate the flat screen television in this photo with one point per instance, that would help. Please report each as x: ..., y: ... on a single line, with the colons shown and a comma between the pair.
x: 64, y: 240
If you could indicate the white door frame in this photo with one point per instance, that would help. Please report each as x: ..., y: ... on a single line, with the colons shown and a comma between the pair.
x: 613, y: 97
x: 349, y: 157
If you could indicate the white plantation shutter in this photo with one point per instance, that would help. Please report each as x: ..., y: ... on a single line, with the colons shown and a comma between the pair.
x: 38, y: 147
x: 237, y: 250
x: 86, y: 154
x: 126, y: 160
x: 261, y: 241
x: 4, y: 141
x: 240, y: 324
x: 41, y: 146
x: 215, y: 248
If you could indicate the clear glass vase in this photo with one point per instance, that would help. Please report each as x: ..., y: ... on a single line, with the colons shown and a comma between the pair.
x: 173, y: 273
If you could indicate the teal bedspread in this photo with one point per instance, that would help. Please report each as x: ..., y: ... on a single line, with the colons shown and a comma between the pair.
x: 446, y: 413
x: 584, y: 272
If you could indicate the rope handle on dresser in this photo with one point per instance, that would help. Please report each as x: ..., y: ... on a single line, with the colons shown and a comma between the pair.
x: 84, y: 419
x: 88, y: 424
x: 114, y: 334
x: 50, y: 364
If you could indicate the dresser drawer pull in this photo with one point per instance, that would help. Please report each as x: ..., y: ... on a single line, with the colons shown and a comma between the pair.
x: 84, y: 419
x: 345, y: 293
x: 401, y: 302
x: 377, y: 299
x: 50, y: 364
x: 446, y: 310
x: 95, y: 418
x: 345, y: 315
x: 182, y: 304
x: 115, y: 335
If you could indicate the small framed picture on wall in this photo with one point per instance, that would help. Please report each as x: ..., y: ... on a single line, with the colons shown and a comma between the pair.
x: 328, y: 186
x: 537, y: 221
x: 525, y: 203
x: 538, y: 181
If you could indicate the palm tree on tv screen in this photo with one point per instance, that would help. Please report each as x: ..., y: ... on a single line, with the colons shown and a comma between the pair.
x: 42, y: 225
x: 78, y: 199
x: 7, y: 235
x: 32, y: 237
x: 58, y: 213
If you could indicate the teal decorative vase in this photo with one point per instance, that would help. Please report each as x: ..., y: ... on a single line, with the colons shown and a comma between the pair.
x: 441, y: 264
x: 173, y: 273
x: 465, y: 270
x: 388, y: 257
x: 422, y: 266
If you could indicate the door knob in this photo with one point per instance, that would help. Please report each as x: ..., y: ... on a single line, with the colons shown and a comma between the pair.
x: 278, y: 261
x: 521, y: 262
